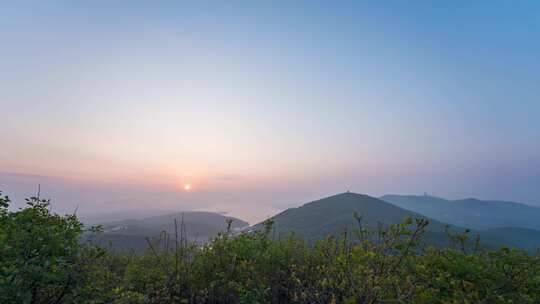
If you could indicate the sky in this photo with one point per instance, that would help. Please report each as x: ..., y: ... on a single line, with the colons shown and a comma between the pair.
x: 264, y: 105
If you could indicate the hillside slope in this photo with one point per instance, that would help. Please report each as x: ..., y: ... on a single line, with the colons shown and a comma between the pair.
x: 471, y: 213
x: 334, y: 214
x: 132, y: 233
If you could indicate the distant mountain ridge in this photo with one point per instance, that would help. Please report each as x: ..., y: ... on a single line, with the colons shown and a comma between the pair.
x: 325, y: 210
x: 198, y: 226
x: 325, y: 217
x: 334, y: 214
x: 472, y: 213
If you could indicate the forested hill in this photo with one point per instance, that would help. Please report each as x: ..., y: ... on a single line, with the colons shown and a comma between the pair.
x: 470, y: 212
x: 197, y: 226
x: 333, y: 215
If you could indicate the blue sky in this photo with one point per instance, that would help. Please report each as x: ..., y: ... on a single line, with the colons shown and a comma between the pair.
x: 283, y: 101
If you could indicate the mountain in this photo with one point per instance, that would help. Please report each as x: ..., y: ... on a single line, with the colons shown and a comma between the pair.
x: 528, y: 239
x: 114, y: 216
x: 331, y: 215
x: 132, y: 233
x: 470, y: 213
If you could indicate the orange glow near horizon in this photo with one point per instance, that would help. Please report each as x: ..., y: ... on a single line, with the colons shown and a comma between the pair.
x: 187, y: 187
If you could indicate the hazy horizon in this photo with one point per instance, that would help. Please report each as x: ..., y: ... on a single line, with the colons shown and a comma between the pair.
x: 251, y: 108
x: 94, y: 199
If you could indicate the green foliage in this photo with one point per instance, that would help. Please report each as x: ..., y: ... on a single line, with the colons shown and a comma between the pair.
x: 44, y: 261
x: 41, y: 259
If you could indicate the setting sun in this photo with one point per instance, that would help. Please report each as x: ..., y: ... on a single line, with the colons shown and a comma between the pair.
x: 187, y: 187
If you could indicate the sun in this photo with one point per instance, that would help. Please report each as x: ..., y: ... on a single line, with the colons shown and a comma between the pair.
x: 187, y: 187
